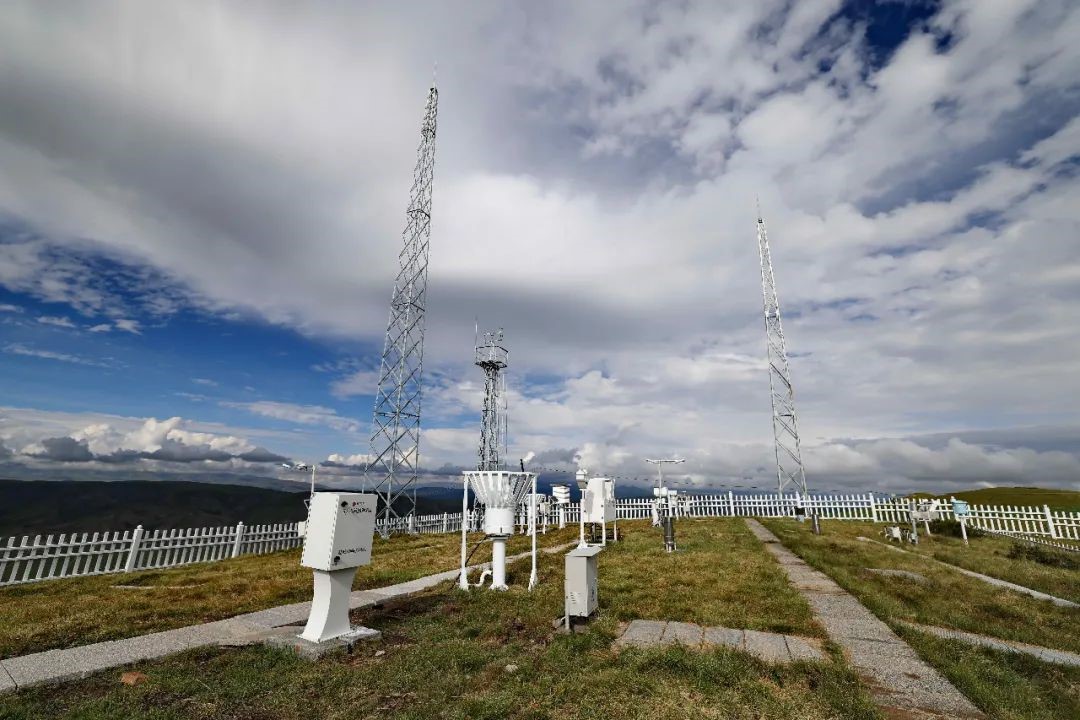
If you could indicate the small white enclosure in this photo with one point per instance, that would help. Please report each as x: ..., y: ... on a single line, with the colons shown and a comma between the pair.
x: 580, y: 589
x: 600, y: 501
x: 339, y: 530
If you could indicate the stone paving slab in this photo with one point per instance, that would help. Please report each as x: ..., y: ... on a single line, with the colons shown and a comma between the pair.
x: 767, y: 646
x: 771, y: 647
x: 72, y: 663
x: 6, y: 683
x: 803, y: 649
x: 683, y: 633
x: 1058, y: 657
x: 901, y: 684
x: 642, y: 633
x: 728, y: 637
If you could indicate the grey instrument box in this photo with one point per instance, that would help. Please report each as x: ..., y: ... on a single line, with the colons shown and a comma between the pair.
x: 581, y: 581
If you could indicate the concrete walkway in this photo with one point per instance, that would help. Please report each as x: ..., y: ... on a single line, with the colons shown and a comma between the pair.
x: 1061, y: 602
x: 1058, y: 657
x: 771, y: 647
x: 901, y: 684
x: 71, y: 663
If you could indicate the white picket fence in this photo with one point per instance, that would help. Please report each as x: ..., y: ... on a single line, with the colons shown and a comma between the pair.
x: 30, y: 560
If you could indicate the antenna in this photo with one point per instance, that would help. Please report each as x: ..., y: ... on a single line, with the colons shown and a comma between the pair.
x: 789, y: 466
x: 395, y: 434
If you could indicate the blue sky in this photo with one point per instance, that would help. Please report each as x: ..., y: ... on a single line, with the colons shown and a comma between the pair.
x: 201, y: 207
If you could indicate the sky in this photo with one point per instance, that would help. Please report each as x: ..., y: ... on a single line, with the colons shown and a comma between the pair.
x: 201, y: 207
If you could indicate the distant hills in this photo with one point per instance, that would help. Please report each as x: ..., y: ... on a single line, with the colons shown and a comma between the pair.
x: 32, y: 507
x: 1067, y: 500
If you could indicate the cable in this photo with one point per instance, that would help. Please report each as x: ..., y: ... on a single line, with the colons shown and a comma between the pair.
x: 473, y: 552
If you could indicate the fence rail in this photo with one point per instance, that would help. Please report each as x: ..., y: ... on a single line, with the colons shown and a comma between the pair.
x: 58, y: 556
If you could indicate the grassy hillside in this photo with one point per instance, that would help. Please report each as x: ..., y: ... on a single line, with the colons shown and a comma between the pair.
x: 1068, y: 500
x: 39, y: 507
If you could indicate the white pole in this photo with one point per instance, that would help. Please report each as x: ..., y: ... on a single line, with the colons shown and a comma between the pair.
x: 1050, y: 521
x: 533, y: 577
x: 463, y: 579
x: 498, y: 563
x: 581, y: 517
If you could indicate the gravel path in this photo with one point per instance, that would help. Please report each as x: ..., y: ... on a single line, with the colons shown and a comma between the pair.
x: 71, y: 663
x: 901, y: 684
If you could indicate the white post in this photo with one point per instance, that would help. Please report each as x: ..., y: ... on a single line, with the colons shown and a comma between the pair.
x: 238, y: 540
x: 731, y: 502
x: 533, y: 577
x: 562, y: 516
x: 1050, y: 521
x: 133, y: 553
x: 581, y: 517
x: 873, y: 508
x: 498, y: 563
x: 463, y: 578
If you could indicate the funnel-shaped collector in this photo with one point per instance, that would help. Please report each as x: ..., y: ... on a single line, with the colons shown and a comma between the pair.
x: 500, y: 492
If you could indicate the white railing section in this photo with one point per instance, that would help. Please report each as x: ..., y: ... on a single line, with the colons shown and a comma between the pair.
x: 30, y: 560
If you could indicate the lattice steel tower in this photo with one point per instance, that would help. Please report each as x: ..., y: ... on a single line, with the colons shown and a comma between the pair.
x: 395, y: 435
x: 789, y: 466
x: 492, y: 358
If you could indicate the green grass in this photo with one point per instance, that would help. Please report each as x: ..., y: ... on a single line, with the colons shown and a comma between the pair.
x: 949, y: 599
x: 446, y: 654
x: 78, y: 611
x: 990, y: 555
x: 1005, y: 686
x: 719, y: 576
x: 1067, y: 500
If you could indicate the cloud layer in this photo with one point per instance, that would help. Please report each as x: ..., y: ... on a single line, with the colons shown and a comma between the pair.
x: 595, y: 189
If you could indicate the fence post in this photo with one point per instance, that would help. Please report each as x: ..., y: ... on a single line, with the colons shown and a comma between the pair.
x: 1050, y: 521
x: 731, y: 503
x: 133, y: 552
x: 873, y: 508
x: 239, y: 540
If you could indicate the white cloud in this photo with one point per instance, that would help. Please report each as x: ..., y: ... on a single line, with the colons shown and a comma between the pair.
x: 9, y: 308
x: 354, y: 460
x: 20, y: 349
x: 302, y: 414
x: 56, y: 321
x: 597, y: 166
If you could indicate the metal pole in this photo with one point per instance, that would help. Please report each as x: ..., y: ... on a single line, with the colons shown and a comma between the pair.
x: 533, y: 577
x: 463, y: 579
x: 914, y: 525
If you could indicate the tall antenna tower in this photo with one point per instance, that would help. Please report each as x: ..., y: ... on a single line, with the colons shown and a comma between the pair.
x: 789, y: 466
x: 492, y: 358
x: 395, y: 435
